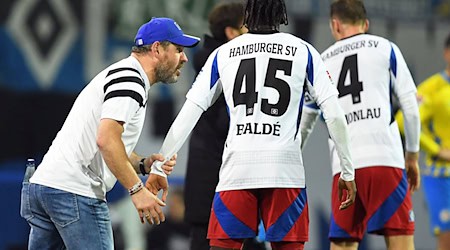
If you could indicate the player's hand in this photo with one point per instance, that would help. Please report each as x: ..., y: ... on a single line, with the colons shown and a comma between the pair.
x: 412, y: 170
x: 155, y: 183
x: 168, y: 165
x: 349, y: 199
x: 444, y: 154
x: 148, y: 206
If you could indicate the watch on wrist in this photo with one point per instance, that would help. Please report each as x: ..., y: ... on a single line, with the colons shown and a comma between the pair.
x: 142, y: 166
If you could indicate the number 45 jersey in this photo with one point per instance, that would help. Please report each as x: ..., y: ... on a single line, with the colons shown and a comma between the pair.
x: 263, y: 78
x: 368, y: 70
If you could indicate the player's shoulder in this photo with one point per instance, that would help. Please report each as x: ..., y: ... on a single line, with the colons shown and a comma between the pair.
x: 127, y: 65
x: 431, y: 84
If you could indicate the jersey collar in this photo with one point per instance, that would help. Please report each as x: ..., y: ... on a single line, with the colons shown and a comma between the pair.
x: 445, y: 76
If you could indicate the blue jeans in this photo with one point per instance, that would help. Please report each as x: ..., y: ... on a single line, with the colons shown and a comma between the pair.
x: 59, y: 219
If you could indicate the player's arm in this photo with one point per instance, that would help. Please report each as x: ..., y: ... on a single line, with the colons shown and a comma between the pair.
x: 325, y: 94
x: 178, y: 133
x: 307, y: 122
x: 204, y: 92
x: 427, y: 143
x: 405, y: 89
x: 337, y: 127
x: 411, y: 124
x: 202, y: 95
x: 142, y: 165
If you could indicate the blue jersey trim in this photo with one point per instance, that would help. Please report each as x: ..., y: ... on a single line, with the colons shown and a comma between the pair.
x: 310, y: 68
x: 391, y: 105
x: 214, y: 73
x: 312, y: 105
x: 300, y: 110
x: 393, y: 66
x: 393, y: 62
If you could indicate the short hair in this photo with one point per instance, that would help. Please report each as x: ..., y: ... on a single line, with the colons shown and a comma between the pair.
x: 225, y: 15
x: 348, y: 11
x: 146, y: 48
x: 265, y: 14
x: 447, y: 42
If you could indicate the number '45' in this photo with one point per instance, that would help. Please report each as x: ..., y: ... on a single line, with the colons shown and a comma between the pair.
x: 247, y: 70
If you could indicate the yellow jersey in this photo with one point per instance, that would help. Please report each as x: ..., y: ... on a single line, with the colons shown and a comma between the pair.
x: 434, y: 106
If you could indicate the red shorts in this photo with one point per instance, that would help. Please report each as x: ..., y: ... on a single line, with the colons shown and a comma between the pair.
x: 382, y: 206
x: 236, y: 215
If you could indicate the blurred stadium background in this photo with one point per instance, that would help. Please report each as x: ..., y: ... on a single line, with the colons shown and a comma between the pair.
x: 51, y: 48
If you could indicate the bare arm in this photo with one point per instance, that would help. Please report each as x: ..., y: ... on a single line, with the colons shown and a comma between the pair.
x: 109, y: 141
x: 135, y: 159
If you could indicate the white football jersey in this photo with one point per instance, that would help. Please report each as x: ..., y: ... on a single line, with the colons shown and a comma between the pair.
x: 74, y: 163
x: 367, y: 71
x: 263, y: 78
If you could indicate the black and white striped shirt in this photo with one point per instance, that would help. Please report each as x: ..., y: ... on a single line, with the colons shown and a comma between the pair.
x: 73, y: 162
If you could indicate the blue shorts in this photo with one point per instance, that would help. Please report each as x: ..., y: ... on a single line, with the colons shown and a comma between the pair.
x: 437, y: 194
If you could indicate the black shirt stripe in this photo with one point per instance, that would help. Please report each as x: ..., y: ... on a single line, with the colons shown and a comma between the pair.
x: 127, y: 93
x: 124, y: 79
x: 113, y: 71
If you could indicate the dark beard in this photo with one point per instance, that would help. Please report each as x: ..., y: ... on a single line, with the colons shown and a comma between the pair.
x: 165, y: 75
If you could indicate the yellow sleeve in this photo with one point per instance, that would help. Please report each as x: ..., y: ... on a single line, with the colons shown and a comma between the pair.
x: 427, y: 142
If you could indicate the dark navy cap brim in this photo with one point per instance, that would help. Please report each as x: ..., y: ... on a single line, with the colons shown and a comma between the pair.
x: 185, y: 40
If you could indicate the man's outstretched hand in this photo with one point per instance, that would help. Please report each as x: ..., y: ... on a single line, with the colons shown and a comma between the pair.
x: 155, y: 183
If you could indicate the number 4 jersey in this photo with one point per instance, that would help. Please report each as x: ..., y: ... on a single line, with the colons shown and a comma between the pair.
x: 263, y: 78
x: 368, y: 70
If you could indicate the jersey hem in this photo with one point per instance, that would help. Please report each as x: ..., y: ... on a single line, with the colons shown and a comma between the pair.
x: 386, y: 166
x: 300, y: 185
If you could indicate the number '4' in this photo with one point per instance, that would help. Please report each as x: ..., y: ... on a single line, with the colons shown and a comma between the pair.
x: 350, y: 64
x: 247, y: 70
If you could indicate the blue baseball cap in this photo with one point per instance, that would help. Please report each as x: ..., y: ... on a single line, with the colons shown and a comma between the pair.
x: 163, y: 29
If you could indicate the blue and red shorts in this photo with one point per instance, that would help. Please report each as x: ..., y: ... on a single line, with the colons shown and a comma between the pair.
x: 236, y: 214
x: 383, y: 205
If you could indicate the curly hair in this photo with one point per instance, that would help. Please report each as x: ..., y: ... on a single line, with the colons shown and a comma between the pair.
x: 265, y: 14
